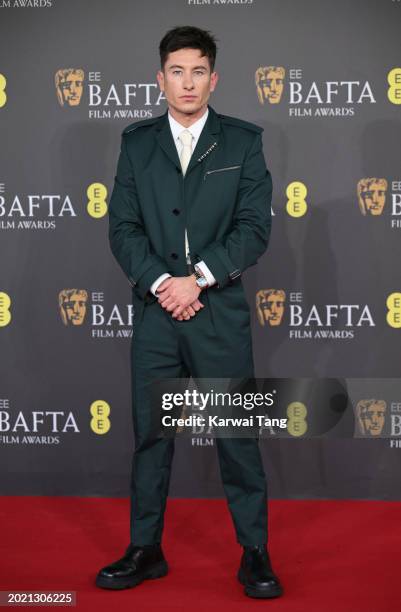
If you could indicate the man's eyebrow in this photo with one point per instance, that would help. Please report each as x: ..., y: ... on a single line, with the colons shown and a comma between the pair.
x: 194, y: 68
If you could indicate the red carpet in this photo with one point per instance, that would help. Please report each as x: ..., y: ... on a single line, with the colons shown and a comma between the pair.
x: 340, y: 556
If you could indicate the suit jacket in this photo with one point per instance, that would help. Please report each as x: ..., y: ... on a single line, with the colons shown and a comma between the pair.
x: 224, y: 201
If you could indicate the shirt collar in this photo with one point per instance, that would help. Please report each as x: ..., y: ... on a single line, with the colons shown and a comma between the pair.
x: 195, y: 129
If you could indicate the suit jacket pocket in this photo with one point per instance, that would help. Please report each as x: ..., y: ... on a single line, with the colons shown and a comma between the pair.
x: 225, y: 169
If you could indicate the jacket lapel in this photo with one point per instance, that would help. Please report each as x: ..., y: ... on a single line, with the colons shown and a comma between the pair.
x: 207, y: 142
x: 166, y: 141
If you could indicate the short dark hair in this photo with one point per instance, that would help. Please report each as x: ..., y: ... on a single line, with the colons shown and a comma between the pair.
x: 188, y: 37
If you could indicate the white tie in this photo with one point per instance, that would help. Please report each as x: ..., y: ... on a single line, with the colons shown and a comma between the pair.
x: 186, y: 152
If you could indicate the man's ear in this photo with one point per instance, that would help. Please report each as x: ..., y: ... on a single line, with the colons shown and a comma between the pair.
x: 160, y: 79
x: 214, y: 77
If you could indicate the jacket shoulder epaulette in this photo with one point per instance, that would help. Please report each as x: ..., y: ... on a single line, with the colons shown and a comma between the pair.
x: 241, y: 123
x: 144, y: 122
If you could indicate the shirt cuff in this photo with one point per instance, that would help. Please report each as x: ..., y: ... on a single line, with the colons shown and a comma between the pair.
x: 206, y: 273
x: 158, y: 281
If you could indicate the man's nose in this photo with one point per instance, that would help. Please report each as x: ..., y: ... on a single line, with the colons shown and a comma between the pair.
x: 188, y: 82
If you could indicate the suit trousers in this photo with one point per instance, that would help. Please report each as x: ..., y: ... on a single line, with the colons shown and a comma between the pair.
x: 163, y: 347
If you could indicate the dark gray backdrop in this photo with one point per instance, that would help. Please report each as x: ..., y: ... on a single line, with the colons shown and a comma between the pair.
x: 331, y: 255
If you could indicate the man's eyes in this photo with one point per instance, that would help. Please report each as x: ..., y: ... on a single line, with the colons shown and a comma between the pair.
x: 197, y: 72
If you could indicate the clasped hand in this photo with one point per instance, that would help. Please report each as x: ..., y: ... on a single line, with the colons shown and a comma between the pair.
x: 179, y: 295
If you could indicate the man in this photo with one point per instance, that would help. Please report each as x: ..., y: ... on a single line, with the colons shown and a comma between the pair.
x: 190, y: 211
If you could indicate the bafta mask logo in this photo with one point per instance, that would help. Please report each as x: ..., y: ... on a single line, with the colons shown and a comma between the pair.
x: 371, y: 416
x: 372, y: 195
x: 269, y: 82
x: 69, y: 86
x: 270, y: 306
x: 72, y: 304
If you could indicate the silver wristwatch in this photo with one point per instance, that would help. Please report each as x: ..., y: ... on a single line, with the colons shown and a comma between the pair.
x: 200, y: 279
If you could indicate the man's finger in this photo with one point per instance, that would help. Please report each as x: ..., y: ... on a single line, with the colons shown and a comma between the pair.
x: 186, y: 314
x: 168, y: 302
x: 162, y: 295
x: 177, y: 311
x: 172, y: 306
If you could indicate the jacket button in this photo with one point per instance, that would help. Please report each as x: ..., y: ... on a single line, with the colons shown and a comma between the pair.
x: 176, y: 211
x: 174, y: 256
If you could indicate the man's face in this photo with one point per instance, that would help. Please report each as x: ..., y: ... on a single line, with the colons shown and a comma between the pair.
x: 187, y: 81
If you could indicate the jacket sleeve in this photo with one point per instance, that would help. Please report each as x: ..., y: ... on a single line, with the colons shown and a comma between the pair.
x: 128, y: 240
x: 249, y: 236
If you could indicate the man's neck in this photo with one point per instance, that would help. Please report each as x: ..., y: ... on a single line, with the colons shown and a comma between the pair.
x: 187, y: 119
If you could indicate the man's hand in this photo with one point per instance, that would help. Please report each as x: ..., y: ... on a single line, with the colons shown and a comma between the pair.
x: 190, y: 311
x: 179, y: 295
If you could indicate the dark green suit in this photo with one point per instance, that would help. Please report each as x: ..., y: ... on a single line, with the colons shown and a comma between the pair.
x: 224, y: 202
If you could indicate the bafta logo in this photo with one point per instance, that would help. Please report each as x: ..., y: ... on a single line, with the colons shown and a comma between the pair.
x: 371, y: 416
x: 269, y: 82
x: 270, y: 306
x: 69, y: 85
x: 372, y: 195
x: 72, y: 304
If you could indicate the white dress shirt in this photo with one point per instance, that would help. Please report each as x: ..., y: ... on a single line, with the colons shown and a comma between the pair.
x: 195, y: 129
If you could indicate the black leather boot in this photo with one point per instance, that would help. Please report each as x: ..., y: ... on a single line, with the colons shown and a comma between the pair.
x: 256, y: 573
x: 138, y: 564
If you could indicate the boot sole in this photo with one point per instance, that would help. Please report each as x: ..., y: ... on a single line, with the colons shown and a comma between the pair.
x: 259, y: 592
x: 157, y: 571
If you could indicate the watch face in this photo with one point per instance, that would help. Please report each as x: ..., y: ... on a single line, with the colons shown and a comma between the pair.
x: 201, y: 282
